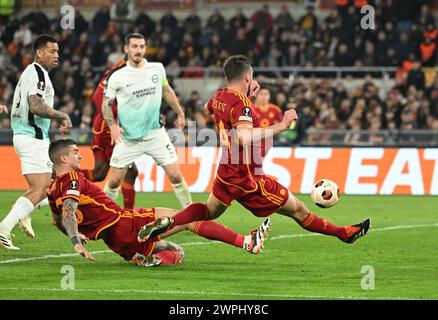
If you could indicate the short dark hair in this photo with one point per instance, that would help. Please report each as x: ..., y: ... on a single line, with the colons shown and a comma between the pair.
x: 134, y: 35
x: 236, y: 66
x: 42, y: 40
x: 59, y: 147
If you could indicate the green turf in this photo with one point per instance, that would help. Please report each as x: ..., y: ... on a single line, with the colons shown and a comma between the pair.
x: 405, y: 260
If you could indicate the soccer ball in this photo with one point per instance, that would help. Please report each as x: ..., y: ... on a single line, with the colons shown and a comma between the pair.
x: 325, y: 193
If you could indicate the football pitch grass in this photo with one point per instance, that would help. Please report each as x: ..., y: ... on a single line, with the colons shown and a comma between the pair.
x: 400, y: 253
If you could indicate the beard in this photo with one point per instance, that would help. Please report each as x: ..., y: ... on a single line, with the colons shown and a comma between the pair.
x: 137, y: 59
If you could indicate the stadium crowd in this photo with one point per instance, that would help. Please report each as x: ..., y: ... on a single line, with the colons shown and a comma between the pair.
x: 405, y: 36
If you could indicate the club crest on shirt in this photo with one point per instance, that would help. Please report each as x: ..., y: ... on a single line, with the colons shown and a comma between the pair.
x: 155, y: 78
x: 41, y: 85
x: 74, y: 184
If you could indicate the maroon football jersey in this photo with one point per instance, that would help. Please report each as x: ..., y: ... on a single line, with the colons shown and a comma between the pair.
x: 239, y: 165
x: 96, y: 210
x: 99, y: 124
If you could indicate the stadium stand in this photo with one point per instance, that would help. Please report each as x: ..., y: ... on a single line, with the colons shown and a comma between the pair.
x: 404, y: 40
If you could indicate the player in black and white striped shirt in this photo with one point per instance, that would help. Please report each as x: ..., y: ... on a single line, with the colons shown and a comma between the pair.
x: 31, y: 114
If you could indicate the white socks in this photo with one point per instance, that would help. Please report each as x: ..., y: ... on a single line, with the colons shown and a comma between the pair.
x: 20, y: 210
x: 112, y: 193
x: 42, y: 203
x: 182, y: 193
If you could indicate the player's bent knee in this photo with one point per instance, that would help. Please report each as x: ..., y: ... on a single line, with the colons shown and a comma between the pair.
x: 175, y: 178
x: 114, y: 182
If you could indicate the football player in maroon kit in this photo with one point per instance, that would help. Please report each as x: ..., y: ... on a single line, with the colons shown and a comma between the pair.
x: 240, y: 174
x: 268, y: 112
x: 83, y: 211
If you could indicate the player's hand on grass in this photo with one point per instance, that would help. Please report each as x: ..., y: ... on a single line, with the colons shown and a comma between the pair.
x: 116, y: 134
x: 3, y: 108
x: 180, y: 122
x: 254, y: 89
x: 288, y: 118
x: 66, y: 125
x: 79, y: 248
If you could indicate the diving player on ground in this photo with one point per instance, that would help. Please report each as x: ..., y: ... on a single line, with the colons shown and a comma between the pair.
x: 83, y: 211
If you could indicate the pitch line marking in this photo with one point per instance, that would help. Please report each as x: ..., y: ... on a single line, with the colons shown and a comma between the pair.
x: 286, y: 236
x: 206, y: 293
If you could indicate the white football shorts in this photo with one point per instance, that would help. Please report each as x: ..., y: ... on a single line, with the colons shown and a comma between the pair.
x: 156, y: 144
x: 33, y: 153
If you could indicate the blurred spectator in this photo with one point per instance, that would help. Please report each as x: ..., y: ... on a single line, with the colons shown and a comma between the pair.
x: 343, y: 56
x: 262, y: 19
x: 240, y: 45
x: 101, y: 19
x: 23, y: 36
x: 216, y: 22
x: 122, y: 12
x: 428, y: 52
x: 425, y: 17
x: 416, y: 76
x: 193, y: 24
x: 148, y: 26
x: 309, y: 23
x: 5, y: 58
x: 38, y: 21
x: 238, y: 21
x: 284, y: 20
x: 87, y: 115
x: 168, y: 21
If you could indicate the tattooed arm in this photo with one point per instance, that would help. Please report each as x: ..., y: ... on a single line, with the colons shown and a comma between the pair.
x: 107, y: 112
x: 56, y: 221
x: 69, y: 207
x: 38, y: 107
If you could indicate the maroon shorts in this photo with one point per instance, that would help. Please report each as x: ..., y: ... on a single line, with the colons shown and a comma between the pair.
x: 102, y: 147
x: 122, y: 236
x: 266, y: 197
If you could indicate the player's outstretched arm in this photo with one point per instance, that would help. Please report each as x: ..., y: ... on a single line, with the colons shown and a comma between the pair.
x: 3, y: 108
x: 40, y: 108
x: 69, y: 207
x: 170, y: 97
x: 107, y: 112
